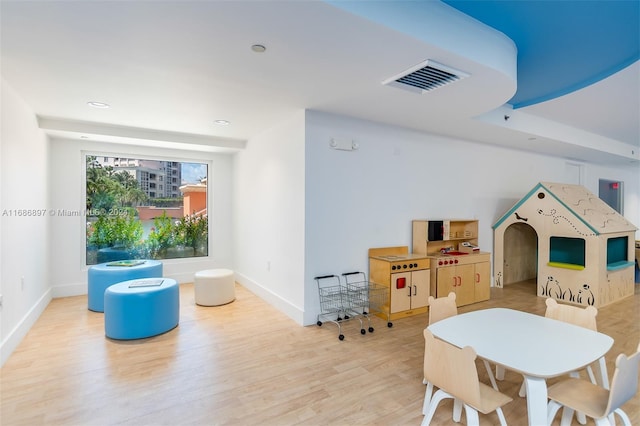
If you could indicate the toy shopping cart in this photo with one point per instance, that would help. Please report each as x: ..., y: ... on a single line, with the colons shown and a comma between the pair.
x: 335, y: 303
x: 366, y: 297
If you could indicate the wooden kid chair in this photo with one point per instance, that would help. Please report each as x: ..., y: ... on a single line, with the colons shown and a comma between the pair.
x: 442, y: 307
x: 439, y: 309
x: 580, y: 395
x: 453, y: 371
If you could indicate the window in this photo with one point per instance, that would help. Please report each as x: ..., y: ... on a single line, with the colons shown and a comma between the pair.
x: 127, y: 218
x: 567, y: 252
x: 617, y: 253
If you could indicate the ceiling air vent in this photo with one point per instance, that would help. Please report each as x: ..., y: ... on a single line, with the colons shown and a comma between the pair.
x: 425, y: 76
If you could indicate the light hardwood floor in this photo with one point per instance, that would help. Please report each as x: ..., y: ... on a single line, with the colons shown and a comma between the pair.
x: 247, y: 364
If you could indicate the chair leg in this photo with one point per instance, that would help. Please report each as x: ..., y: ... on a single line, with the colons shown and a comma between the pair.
x: 567, y: 415
x: 582, y: 419
x: 457, y: 410
x: 592, y: 376
x: 523, y: 390
x: 472, y: 415
x: 427, y: 398
x: 552, y: 409
x: 490, y: 373
x: 437, y: 397
x: 602, y: 366
x: 503, y: 421
x: 499, y: 372
x: 603, y: 422
x: 625, y: 419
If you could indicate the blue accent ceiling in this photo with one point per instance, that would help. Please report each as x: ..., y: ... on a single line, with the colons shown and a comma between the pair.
x: 563, y: 45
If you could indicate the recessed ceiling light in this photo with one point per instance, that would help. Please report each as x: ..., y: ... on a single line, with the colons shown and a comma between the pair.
x: 222, y: 122
x: 98, y: 104
x: 258, y: 48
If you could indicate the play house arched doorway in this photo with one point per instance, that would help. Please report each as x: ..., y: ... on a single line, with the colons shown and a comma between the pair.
x: 520, y: 262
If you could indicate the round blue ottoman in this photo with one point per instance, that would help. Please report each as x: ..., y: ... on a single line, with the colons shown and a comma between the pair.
x: 141, y: 308
x: 106, y: 274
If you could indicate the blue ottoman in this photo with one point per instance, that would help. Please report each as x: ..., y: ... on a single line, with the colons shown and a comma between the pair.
x: 141, y: 308
x: 103, y: 275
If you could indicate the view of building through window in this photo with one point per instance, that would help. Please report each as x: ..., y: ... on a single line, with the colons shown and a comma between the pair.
x: 145, y: 209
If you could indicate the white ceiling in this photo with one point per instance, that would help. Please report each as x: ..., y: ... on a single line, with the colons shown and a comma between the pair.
x: 170, y: 69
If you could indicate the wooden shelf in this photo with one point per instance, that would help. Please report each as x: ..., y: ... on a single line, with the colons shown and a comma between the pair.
x: 427, y: 239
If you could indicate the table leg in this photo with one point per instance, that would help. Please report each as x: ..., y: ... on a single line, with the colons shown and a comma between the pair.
x: 536, y: 400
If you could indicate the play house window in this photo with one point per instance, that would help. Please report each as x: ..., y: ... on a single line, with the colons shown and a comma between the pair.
x: 568, y: 253
x: 617, y: 253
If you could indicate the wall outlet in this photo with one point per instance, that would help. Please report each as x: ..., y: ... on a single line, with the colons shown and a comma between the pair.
x: 268, y: 265
x: 0, y: 300
x: 21, y: 283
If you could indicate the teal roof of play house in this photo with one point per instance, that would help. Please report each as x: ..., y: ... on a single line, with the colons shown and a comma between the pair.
x: 584, y: 204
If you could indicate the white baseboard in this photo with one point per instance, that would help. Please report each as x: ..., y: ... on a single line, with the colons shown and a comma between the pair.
x: 13, y: 339
x: 278, y: 302
x: 180, y: 277
x: 79, y: 289
x: 69, y: 290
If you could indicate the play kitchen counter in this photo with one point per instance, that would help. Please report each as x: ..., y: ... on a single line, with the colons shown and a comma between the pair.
x: 407, y: 277
x: 457, y: 264
x: 467, y: 275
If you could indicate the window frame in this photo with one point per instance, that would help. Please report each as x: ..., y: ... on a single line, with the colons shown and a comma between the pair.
x: 174, y: 160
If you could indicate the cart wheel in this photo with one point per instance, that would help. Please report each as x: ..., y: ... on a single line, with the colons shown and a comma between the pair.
x: 370, y: 329
x: 341, y: 337
x: 346, y: 317
x: 389, y: 324
x: 338, y: 319
x: 363, y: 331
x: 319, y: 323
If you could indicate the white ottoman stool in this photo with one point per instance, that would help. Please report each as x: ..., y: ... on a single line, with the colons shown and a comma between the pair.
x: 214, y: 287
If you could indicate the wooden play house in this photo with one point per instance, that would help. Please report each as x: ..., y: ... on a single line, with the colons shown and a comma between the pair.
x: 577, y: 248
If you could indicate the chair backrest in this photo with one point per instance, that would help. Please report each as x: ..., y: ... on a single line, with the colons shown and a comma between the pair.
x: 583, y: 317
x: 451, y: 369
x: 442, y: 307
x: 624, y: 384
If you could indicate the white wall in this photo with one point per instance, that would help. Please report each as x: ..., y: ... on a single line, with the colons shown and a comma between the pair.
x: 24, y: 256
x: 367, y: 198
x: 269, y: 203
x: 68, y: 269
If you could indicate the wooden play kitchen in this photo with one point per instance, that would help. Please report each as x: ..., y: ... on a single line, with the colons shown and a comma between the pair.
x: 445, y: 258
x: 407, y: 277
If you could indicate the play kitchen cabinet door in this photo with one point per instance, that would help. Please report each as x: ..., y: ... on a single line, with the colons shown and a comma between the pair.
x: 482, y: 281
x: 457, y: 279
x: 468, y: 276
x: 409, y: 290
